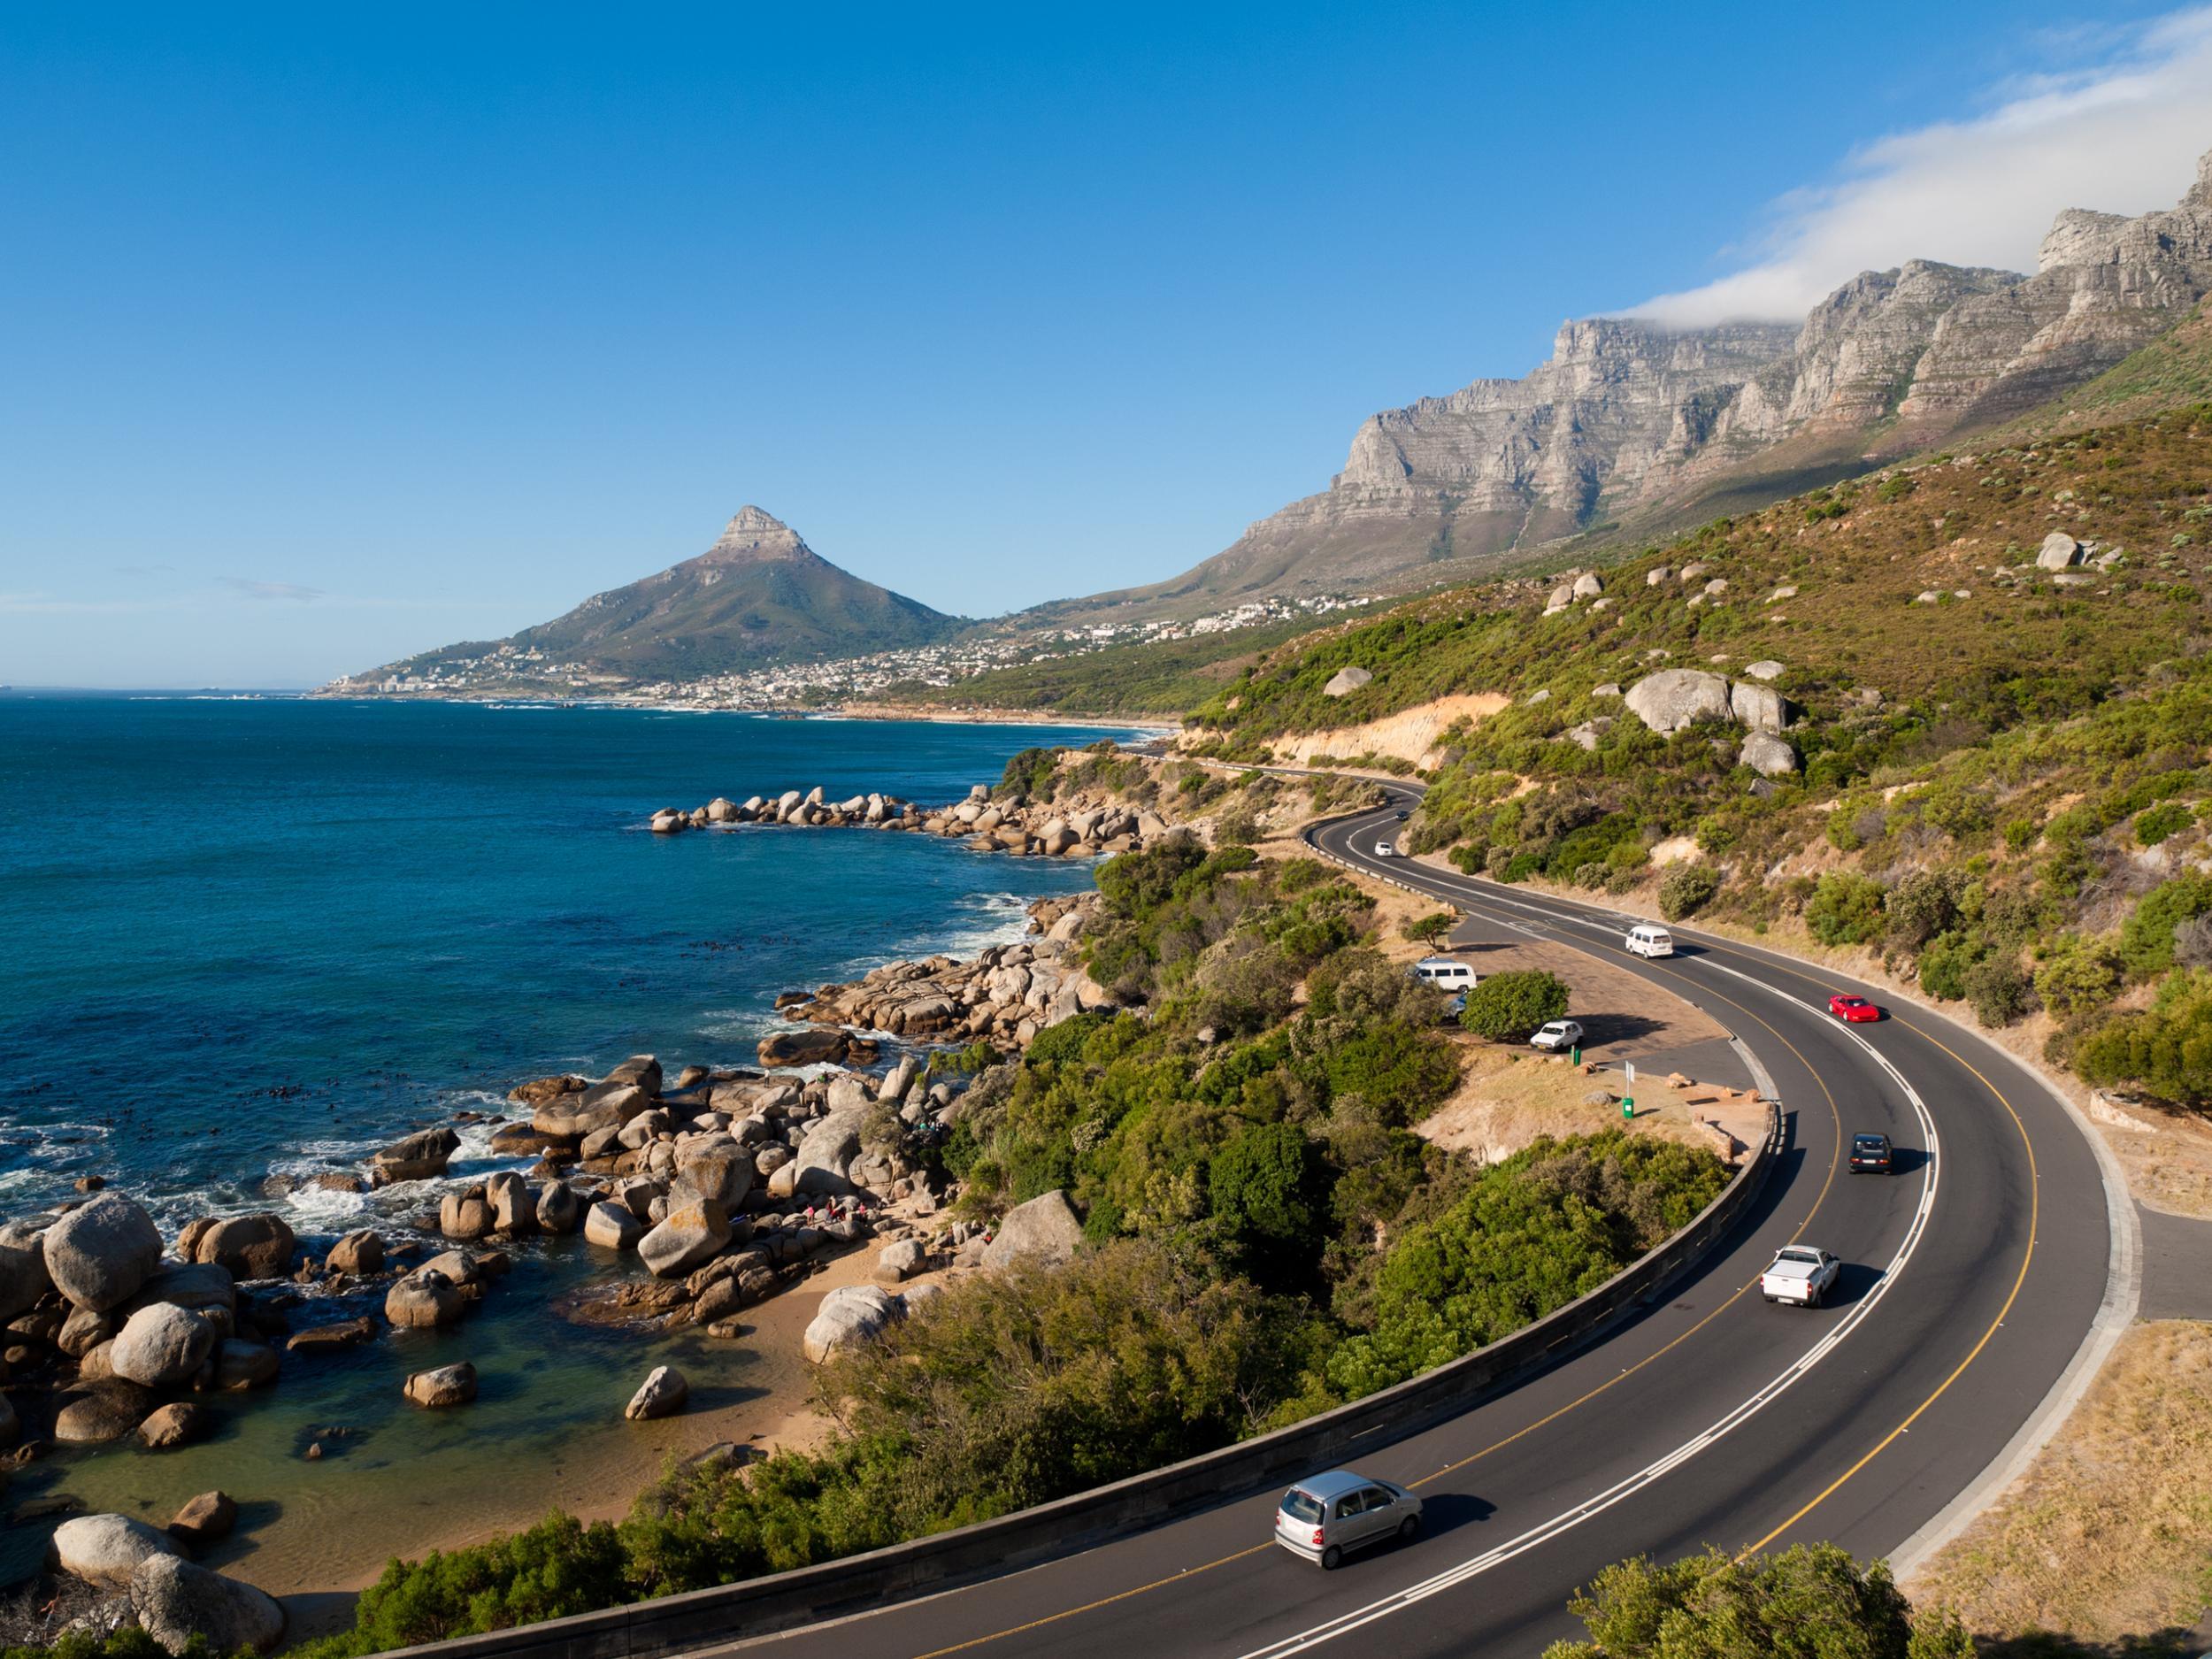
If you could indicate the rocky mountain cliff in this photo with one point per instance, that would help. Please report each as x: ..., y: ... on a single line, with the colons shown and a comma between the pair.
x: 1630, y: 421
x: 759, y: 597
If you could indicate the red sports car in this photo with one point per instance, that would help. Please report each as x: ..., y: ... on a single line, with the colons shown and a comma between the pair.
x: 1853, y: 1009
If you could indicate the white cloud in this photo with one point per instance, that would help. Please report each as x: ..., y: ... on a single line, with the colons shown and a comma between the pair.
x: 2120, y: 134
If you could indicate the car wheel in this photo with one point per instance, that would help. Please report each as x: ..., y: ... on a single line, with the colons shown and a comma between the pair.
x: 1408, y: 1527
x: 1330, y: 1557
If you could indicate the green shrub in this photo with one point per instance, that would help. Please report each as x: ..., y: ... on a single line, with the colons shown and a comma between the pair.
x: 1812, y: 1599
x: 1945, y: 962
x: 2078, y: 975
x: 1429, y: 929
x: 1845, y: 910
x: 2167, y: 1049
x: 1507, y: 1007
x: 2156, y: 824
x: 1686, y: 889
x: 1922, y: 905
x: 2146, y: 938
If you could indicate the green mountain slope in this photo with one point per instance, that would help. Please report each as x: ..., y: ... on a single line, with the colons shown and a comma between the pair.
x: 758, y: 597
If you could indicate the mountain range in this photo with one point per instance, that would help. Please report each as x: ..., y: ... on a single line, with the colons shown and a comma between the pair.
x: 1629, y: 429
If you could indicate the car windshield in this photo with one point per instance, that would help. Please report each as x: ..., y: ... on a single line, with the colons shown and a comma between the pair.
x: 1299, y: 1507
x: 1851, y: 1001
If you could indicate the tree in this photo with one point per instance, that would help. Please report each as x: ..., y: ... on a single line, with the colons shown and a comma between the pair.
x: 2147, y: 941
x: 1429, y: 929
x: 2078, y: 975
x: 1507, y: 1006
x: 1810, y: 1599
x: 2167, y: 1047
x: 1686, y: 889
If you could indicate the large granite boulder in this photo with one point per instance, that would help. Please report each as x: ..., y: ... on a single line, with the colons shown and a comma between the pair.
x: 1769, y: 756
x: 716, y: 1166
x: 514, y: 1207
x: 203, y: 1287
x: 360, y: 1252
x: 559, y: 1210
x: 1043, y: 1230
x: 424, y: 1300
x: 100, y: 1252
x: 240, y: 1366
x: 2059, y: 552
x: 827, y: 1152
x: 250, y: 1247
x: 662, y: 1395
x: 1762, y: 707
x: 107, y: 1549
x: 640, y: 1070
x: 176, y: 1601
x: 179, y: 1422
x: 1345, y: 681
x: 23, y: 1276
x: 813, y: 1047
x: 612, y: 1227
x: 695, y: 1230
x: 1674, y: 697
x: 573, y: 1117
x: 101, y: 1410
x: 204, y: 1519
x: 849, y: 1315
x: 420, y: 1157
x: 442, y: 1386
x: 162, y: 1346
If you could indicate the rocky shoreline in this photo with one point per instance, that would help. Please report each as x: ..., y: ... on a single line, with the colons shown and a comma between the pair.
x: 1082, y: 826
x: 720, y: 1187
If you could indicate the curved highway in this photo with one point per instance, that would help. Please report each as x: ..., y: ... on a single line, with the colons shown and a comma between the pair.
x: 1983, y: 1280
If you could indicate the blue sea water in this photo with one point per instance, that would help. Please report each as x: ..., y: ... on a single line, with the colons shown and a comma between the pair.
x: 246, y: 938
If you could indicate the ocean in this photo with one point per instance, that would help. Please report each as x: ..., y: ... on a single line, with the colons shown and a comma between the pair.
x: 248, y: 940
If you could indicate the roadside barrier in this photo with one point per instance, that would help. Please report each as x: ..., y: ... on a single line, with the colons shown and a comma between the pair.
x: 731, y: 1612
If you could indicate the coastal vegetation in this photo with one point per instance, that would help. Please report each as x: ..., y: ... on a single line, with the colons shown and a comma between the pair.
x: 1266, y: 1238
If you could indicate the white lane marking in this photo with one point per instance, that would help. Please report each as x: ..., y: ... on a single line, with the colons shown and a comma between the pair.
x: 1344, y: 1623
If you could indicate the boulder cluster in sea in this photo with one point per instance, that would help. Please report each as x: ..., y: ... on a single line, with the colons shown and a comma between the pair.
x: 1082, y: 826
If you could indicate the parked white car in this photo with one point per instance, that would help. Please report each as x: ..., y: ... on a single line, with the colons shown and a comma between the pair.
x: 1557, y: 1035
x: 1799, y: 1275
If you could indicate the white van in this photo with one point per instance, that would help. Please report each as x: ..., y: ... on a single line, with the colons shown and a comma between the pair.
x: 1647, y: 940
x: 1447, y: 973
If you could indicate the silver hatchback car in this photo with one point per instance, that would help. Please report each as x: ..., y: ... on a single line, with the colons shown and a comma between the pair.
x: 1322, y: 1518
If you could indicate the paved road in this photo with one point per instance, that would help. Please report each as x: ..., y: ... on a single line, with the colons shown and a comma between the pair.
x: 1977, y: 1275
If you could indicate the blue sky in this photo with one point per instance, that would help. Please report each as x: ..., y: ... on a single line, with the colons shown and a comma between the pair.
x: 332, y: 334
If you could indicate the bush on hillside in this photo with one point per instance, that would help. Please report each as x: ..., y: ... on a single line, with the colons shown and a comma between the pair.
x: 2078, y: 975
x: 2000, y: 991
x: 1686, y: 889
x: 1845, y: 910
x: 2147, y: 939
x: 2156, y: 824
x: 1507, y: 1007
x: 2167, y: 1049
x: 1810, y: 1599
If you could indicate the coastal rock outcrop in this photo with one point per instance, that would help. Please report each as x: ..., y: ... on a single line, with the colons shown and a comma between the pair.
x: 176, y: 1601
x: 442, y: 1386
x: 162, y: 1346
x: 419, y: 1158
x: 204, y: 1519
x: 100, y: 1253
x: 425, y: 1300
x: 692, y: 1231
x: 108, y: 1549
x: 23, y: 1275
x: 179, y: 1422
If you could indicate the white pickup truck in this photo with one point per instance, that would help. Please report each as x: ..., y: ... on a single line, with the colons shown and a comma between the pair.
x: 1800, y: 1274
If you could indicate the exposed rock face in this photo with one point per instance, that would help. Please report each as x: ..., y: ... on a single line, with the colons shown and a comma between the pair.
x: 100, y: 1252
x: 177, y: 1424
x: 424, y: 1300
x: 204, y: 1519
x: 97, y: 1411
x: 662, y: 1395
x: 692, y: 1231
x: 162, y: 1346
x: 1044, y: 1230
x: 612, y: 1227
x: 359, y: 1252
x: 107, y: 1549
x: 176, y: 1601
x: 1627, y: 414
x: 1768, y: 755
x: 1345, y: 681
